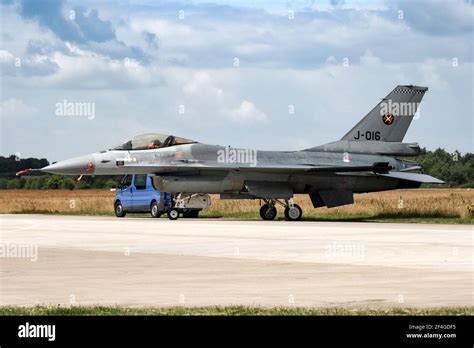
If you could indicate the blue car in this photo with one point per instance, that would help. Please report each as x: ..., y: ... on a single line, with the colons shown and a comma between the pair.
x: 136, y: 194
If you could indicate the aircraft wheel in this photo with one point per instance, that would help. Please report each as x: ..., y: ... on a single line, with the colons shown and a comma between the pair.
x: 173, y: 214
x: 268, y: 212
x: 118, y: 209
x: 154, y: 210
x: 294, y: 213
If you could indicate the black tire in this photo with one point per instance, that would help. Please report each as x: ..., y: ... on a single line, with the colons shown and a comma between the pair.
x: 155, y: 210
x: 173, y: 214
x: 118, y: 209
x: 268, y: 212
x: 192, y: 214
x: 294, y: 213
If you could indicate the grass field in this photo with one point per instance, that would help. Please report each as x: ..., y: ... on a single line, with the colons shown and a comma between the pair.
x: 228, y: 310
x: 419, y: 205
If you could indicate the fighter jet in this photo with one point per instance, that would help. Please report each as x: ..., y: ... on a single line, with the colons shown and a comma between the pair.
x: 364, y: 160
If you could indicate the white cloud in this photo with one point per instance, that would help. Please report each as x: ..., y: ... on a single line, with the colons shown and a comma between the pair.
x: 247, y: 112
x: 15, y: 108
x: 201, y: 83
x: 6, y: 57
x: 368, y: 58
x: 253, y: 48
x: 86, y: 69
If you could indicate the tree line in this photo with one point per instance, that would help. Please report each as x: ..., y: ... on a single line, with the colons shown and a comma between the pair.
x: 455, y: 169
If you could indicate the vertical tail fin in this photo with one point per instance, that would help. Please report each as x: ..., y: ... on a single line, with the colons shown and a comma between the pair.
x: 390, y: 119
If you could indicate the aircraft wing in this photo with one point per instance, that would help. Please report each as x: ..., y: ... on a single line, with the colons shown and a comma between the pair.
x: 378, y: 168
x: 304, y: 168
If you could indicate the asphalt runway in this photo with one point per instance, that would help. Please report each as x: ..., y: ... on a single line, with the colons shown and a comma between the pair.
x: 80, y: 260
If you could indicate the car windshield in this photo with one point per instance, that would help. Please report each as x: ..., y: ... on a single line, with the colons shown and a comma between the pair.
x: 152, y: 141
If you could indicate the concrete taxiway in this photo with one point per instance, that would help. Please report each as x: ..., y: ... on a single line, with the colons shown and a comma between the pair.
x: 195, y: 262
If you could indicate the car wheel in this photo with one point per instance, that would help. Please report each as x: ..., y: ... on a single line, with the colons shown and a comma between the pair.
x: 118, y: 208
x: 173, y: 214
x: 154, y: 210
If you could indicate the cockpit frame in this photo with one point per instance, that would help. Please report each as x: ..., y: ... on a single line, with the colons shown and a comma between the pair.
x: 151, y: 141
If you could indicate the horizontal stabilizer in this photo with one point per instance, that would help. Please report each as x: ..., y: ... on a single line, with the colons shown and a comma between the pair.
x: 423, y: 178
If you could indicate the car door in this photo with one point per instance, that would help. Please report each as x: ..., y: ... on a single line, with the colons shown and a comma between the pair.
x: 126, y: 192
x: 140, y: 197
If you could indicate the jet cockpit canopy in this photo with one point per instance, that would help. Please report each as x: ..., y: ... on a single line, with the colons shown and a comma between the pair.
x: 150, y: 141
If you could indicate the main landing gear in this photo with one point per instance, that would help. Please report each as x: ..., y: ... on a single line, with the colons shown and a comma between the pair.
x: 268, y: 211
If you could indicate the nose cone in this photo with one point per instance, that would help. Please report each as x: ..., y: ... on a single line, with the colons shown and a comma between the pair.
x: 74, y: 166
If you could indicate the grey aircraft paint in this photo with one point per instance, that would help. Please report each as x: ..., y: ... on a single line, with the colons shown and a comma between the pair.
x: 362, y: 161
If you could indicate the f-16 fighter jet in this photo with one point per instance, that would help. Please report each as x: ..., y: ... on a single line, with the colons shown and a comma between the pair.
x: 364, y: 160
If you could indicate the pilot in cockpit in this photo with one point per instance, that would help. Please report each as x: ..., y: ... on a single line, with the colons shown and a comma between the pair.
x: 154, y: 144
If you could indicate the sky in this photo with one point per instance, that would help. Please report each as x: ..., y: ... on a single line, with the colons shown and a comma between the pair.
x: 82, y: 76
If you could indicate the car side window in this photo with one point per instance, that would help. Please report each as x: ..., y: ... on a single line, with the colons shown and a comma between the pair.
x: 140, y: 181
x: 126, y: 181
